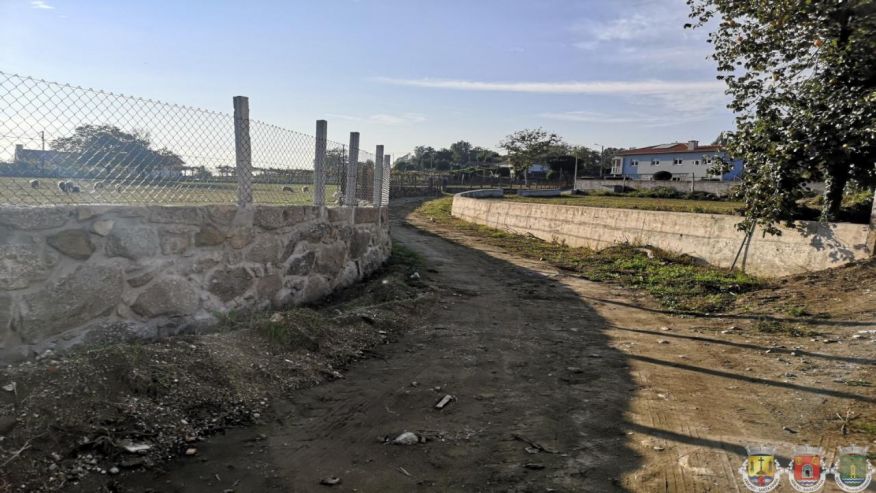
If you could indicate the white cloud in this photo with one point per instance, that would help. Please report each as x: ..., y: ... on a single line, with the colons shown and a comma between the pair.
x: 384, y: 119
x: 40, y: 4
x: 643, y: 119
x: 590, y: 87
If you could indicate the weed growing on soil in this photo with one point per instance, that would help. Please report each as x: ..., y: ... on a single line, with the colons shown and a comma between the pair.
x: 678, y: 282
x: 770, y: 326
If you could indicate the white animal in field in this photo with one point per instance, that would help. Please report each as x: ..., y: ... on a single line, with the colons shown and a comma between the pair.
x: 98, y: 186
x: 288, y: 189
x: 34, y: 184
x: 305, y: 189
x: 65, y: 186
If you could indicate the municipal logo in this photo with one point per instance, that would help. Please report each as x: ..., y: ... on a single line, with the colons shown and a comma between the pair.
x: 760, y: 472
x: 852, y: 471
x: 806, y: 473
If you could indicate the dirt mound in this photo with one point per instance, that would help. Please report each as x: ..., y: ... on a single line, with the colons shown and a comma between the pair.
x: 847, y: 292
x: 135, y: 405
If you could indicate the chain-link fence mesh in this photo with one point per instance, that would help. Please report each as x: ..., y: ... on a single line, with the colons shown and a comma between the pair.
x: 61, y: 144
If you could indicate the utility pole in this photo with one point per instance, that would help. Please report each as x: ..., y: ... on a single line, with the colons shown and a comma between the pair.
x: 601, y: 161
x: 575, y: 174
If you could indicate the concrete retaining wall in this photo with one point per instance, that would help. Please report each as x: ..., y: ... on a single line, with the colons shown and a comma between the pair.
x: 710, y: 237
x: 719, y: 188
x: 73, y: 273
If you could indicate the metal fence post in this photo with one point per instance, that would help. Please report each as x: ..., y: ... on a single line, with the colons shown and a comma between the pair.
x: 352, y: 163
x: 242, y: 151
x: 319, y: 177
x: 384, y: 189
x: 377, y: 193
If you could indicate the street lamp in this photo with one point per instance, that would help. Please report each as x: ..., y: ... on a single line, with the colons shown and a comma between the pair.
x: 601, y: 160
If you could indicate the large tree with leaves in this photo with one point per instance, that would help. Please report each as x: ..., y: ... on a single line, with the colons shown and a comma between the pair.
x: 802, y: 76
x: 526, y: 147
x: 102, y: 150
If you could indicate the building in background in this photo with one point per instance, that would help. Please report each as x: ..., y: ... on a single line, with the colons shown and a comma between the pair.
x: 683, y: 161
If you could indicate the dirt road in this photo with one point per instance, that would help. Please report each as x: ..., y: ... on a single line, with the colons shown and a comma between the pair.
x: 559, y: 384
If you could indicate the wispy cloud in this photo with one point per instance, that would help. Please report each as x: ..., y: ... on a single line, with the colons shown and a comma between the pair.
x: 642, y: 120
x: 40, y: 4
x: 590, y: 87
x: 383, y: 118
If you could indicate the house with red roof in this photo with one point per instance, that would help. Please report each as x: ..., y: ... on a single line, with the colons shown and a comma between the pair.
x: 683, y: 161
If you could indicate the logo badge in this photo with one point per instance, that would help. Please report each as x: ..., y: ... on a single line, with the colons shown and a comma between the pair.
x: 852, y: 471
x: 760, y: 473
x: 806, y: 473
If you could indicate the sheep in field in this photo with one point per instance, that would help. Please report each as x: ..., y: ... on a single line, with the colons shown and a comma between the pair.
x: 288, y: 189
x: 305, y: 189
x: 62, y: 186
x: 34, y: 184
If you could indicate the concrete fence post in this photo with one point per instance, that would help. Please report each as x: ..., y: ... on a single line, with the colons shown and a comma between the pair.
x: 242, y: 151
x: 871, y: 238
x: 319, y: 178
x: 691, y: 183
x: 352, y: 163
x: 384, y: 189
x: 377, y: 192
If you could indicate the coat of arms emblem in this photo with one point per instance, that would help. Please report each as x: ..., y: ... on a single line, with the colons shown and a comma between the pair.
x: 806, y: 472
x: 852, y: 470
x: 760, y: 472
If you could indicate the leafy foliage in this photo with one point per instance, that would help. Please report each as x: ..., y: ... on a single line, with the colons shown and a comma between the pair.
x: 100, y: 147
x: 526, y: 147
x: 802, y: 76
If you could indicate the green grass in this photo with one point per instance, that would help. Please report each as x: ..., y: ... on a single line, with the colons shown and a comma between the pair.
x: 17, y: 191
x: 634, y: 202
x: 678, y: 282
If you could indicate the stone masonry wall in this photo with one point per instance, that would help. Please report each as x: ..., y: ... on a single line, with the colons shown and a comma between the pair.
x: 71, y: 274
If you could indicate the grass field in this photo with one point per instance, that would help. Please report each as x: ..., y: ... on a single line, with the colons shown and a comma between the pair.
x: 645, y: 203
x: 18, y: 191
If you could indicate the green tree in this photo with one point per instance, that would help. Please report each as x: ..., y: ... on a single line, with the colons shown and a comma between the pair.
x: 102, y: 149
x: 802, y: 77
x: 461, y: 152
x: 526, y: 147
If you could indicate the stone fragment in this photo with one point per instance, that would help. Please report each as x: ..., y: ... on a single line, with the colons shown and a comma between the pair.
x: 265, y: 249
x: 102, y: 227
x: 170, y: 295
x: 87, y: 293
x: 174, y: 242
x: 228, y: 284
x: 132, y: 241
x: 209, y: 236
x: 74, y: 243
x: 23, y: 261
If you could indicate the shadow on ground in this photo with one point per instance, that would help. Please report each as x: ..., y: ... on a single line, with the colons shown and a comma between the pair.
x: 539, y: 399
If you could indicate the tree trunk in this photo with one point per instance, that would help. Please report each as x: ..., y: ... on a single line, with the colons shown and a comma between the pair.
x: 834, y: 186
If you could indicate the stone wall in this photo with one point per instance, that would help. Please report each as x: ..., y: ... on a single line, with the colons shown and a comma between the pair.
x: 70, y: 273
x: 710, y: 237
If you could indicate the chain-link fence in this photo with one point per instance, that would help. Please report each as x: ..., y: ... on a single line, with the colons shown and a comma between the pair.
x: 62, y: 144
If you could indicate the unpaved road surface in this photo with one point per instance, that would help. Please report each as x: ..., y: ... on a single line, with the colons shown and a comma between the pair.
x: 559, y: 384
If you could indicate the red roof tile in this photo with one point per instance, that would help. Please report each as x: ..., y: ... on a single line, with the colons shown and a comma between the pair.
x: 663, y: 149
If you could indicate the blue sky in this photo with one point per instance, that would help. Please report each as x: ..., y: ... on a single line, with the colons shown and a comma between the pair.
x: 402, y: 72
